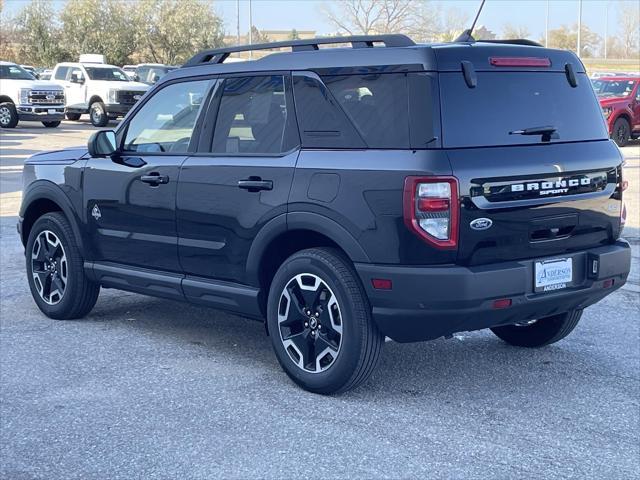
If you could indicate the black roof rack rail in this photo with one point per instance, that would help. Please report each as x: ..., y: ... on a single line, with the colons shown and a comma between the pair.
x: 515, y: 41
x: 218, y: 55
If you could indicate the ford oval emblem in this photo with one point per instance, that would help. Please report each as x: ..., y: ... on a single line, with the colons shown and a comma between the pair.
x: 481, y: 224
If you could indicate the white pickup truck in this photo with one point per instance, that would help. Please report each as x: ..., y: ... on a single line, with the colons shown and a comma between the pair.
x: 22, y: 97
x: 103, y: 91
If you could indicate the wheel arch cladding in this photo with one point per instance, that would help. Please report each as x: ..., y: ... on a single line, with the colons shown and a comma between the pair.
x: 6, y: 99
x: 44, y: 197
x: 95, y: 98
x: 282, y: 237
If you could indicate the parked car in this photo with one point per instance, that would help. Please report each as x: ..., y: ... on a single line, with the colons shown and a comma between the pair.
x: 30, y: 69
x: 45, y: 74
x: 22, y: 97
x: 344, y: 195
x: 130, y: 70
x: 150, y: 73
x: 620, y: 101
x: 101, y: 90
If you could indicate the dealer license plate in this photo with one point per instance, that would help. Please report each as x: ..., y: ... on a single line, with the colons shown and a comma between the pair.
x: 52, y: 110
x: 553, y: 275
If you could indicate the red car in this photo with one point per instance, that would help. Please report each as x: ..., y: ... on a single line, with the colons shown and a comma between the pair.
x: 620, y: 101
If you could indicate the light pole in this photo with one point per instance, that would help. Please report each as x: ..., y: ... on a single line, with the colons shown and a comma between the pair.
x: 606, y: 28
x: 546, y: 28
x: 250, y: 28
x: 579, y: 25
x: 238, y: 22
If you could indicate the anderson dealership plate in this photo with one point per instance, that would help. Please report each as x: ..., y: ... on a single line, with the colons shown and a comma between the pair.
x: 553, y: 275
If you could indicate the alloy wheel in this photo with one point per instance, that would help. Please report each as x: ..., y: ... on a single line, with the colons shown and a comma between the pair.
x: 5, y: 116
x: 49, y: 267
x: 310, y: 323
x: 622, y: 133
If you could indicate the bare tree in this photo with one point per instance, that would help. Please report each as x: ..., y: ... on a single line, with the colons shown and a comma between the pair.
x: 366, y: 17
x: 454, y: 23
x: 515, y: 31
x: 565, y: 37
x: 629, y: 21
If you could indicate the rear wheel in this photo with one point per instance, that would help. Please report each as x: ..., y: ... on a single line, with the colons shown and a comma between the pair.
x: 55, y: 270
x: 8, y: 115
x: 51, y: 124
x: 98, y: 114
x: 539, y: 333
x: 320, y: 322
x: 73, y: 116
x: 621, y: 132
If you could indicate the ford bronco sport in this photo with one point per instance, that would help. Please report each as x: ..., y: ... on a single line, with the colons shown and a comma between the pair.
x: 343, y: 195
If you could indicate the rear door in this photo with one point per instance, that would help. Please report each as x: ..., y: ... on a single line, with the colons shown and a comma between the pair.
x: 241, y: 176
x: 538, y: 175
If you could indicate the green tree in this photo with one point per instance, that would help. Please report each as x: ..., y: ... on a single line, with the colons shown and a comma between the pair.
x: 257, y: 36
x: 171, y: 31
x: 99, y: 26
x: 566, y: 38
x: 483, y: 33
x: 37, y: 34
x: 294, y: 35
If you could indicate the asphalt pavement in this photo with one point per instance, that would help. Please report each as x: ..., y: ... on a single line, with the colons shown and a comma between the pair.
x: 151, y: 388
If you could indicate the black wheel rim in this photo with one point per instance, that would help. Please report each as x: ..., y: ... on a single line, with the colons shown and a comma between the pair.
x: 49, y: 267
x: 621, y: 133
x: 5, y: 116
x: 310, y: 323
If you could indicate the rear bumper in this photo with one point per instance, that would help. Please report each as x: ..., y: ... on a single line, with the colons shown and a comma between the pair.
x: 430, y: 302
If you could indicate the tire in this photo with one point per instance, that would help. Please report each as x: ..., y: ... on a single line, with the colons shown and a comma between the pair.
x: 51, y: 124
x: 73, y: 116
x: 542, y: 332
x: 621, y: 132
x: 51, y: 236
x: 98, y: 114
x: 8, y: 115
x: 338, y: 321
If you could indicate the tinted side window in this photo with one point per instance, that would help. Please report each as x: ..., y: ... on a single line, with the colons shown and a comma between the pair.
x: 166, y: 121
x: 323, y: 123
x: 61, y: 73
x: 377, y: 104
x: 252, y: 116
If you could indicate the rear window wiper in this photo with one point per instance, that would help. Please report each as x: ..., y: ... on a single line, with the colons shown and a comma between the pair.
x: 548, y: 132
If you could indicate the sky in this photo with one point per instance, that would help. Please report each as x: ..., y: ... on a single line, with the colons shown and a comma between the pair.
x: 305, y: 14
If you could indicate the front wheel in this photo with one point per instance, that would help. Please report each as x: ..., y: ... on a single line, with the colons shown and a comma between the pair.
x: 98, y: 114
x: 320, y: 322
x: 538, y: 333
x: 51, y: 124
x: 621, y: 132
x: 8, y: 115
x: 55, y: 270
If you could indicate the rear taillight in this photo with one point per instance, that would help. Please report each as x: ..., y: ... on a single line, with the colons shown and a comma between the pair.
x: 431, y: 209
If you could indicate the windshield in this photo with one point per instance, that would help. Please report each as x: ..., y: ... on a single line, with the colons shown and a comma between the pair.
x: 14, y: 72
x: 613, y: 88
x: 111, y: 74
x: 514, y: 108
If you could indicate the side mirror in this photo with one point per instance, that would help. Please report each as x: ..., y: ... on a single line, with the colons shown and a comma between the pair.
x: 102, y: 143
x: 75, y: 78
x: 136, y: 77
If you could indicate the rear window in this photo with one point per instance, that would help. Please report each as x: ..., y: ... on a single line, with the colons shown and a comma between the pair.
x: 510, y: 101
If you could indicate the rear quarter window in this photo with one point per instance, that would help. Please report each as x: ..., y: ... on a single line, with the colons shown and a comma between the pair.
x: 507, y: 101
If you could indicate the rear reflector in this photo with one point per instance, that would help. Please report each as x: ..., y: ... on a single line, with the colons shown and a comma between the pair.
x: 607, y: 283
x: 381, y: 283
x: 519, y: 62
x: 502, y: 303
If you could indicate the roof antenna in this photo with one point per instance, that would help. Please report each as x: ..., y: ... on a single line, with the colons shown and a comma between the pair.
x: 466, y: 35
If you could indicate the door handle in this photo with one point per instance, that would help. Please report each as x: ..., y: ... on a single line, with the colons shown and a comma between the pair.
x: 154, y: 178
x: 255, y: 184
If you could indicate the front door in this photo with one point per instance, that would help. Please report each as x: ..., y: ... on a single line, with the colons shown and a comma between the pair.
x: 240, y: 179
x: 75, y: 89
x: 129, y: 200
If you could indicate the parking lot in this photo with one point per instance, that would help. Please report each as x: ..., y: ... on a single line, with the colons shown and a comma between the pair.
x: 151, y: 388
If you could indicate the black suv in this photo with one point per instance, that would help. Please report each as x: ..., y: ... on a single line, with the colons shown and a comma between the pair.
x: 381, y: 188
